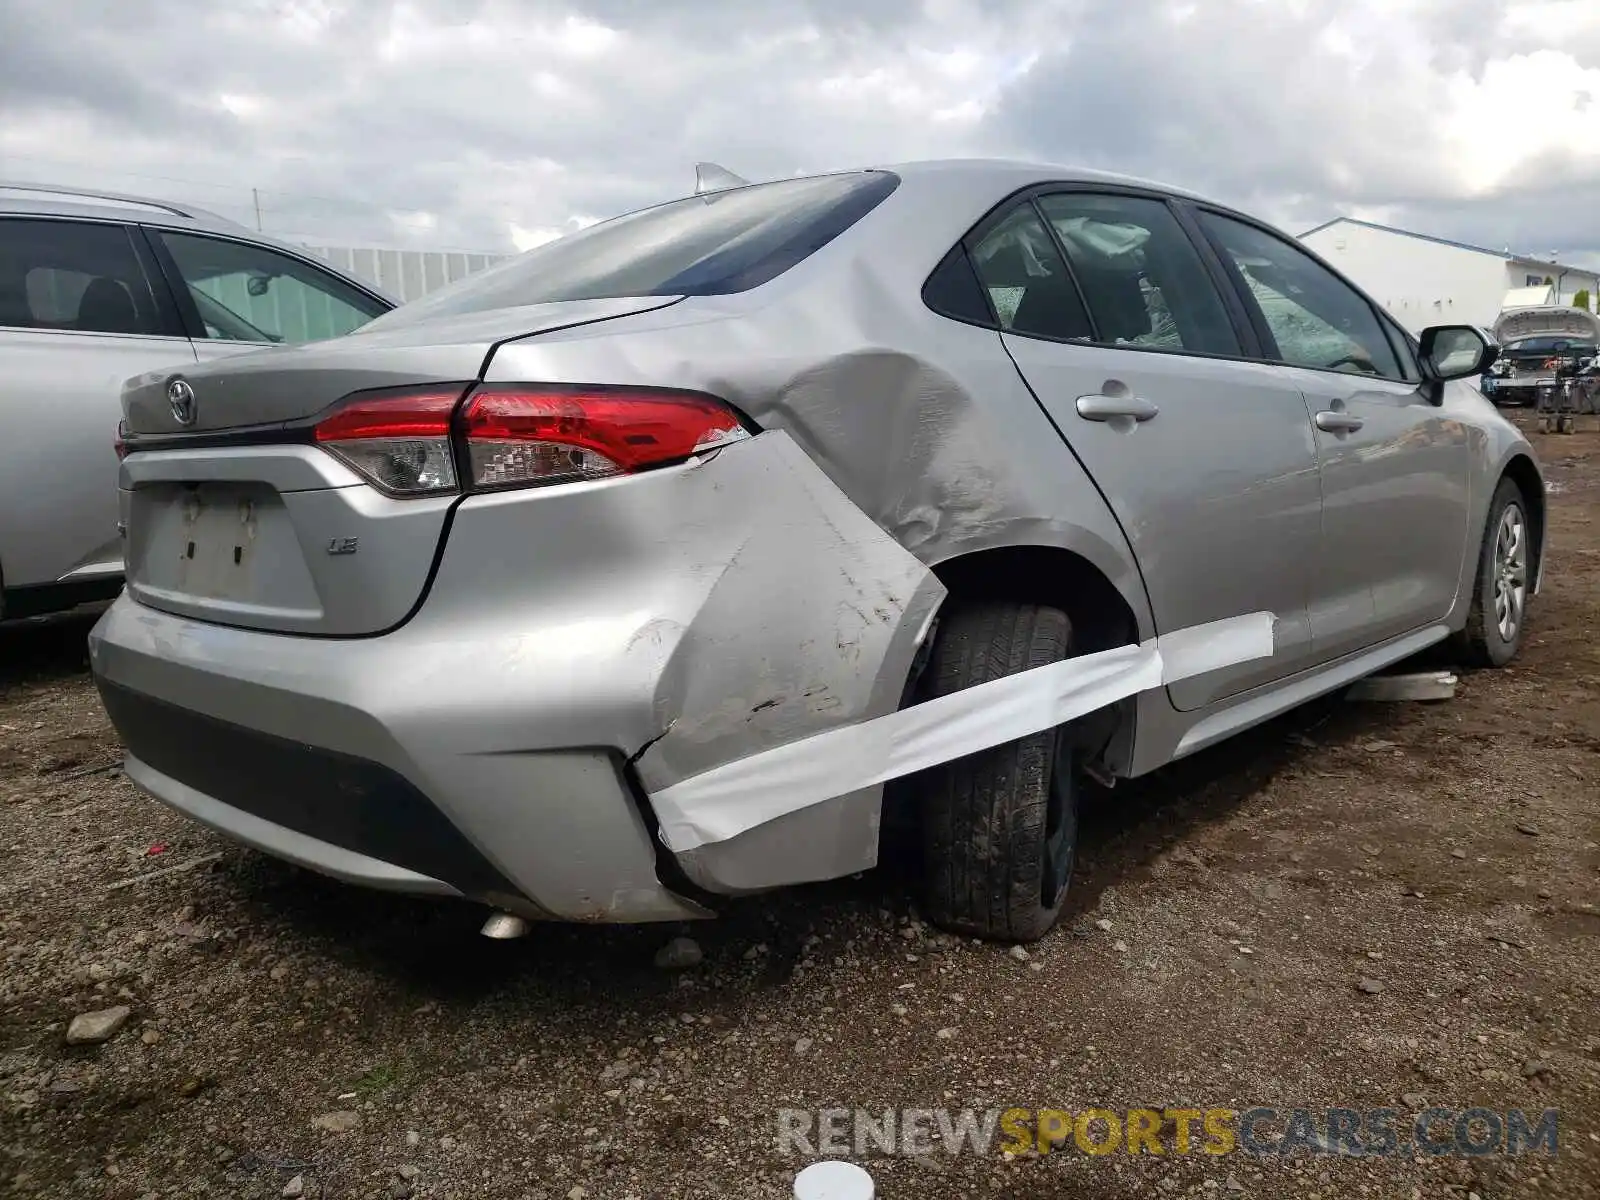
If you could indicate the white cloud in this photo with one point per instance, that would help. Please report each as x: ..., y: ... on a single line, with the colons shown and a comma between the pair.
x: 492, y: 124
x: 1522, y: 113
x: 527, y: 239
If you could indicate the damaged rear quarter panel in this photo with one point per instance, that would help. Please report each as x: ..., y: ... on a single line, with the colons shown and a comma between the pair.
x: 812, y: 624
x: 913, y: 442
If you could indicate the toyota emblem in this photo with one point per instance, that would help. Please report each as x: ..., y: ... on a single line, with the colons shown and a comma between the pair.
x: 181, y: 399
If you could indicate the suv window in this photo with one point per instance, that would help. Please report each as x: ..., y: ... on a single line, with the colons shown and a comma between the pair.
x: 1144, y: 281
x: 73, y: 276
x: 248, y: 293
x: 709, y: 245
x: 1316, y: 318
x: 1026, y: 280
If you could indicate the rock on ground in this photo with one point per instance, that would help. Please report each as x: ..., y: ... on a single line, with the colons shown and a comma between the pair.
x: 92, y: 1027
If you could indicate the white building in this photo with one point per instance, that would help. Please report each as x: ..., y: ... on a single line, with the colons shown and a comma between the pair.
x: 406, y: 274
x: 1426, y: 280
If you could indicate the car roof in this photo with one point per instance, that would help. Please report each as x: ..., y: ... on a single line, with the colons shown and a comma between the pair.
x: 18, y: 197
x: 1020, y: 173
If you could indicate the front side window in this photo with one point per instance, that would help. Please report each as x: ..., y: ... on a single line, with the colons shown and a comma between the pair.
x: 248, y: 293
x: 1144, y: 281
x: 1316, y: 318
x: 1405, y: 351
x: 73, y: 277
x: 708, y: 245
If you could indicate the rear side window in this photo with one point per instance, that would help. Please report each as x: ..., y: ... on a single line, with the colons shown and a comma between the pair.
x: 73, y: 276
x: 709, y: 245
x: 1026, y: 280
x: 1145, y: 283
x: 953, y: 290
x: 243, y: 292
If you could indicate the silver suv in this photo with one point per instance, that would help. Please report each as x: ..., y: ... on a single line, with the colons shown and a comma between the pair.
x: 624, y: 577
x: 94, y: 288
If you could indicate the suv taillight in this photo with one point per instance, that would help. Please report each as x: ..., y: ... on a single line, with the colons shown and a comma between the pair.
x: 522, y: 435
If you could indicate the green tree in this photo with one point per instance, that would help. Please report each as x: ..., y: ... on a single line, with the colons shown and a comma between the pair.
x: 1581, y: 300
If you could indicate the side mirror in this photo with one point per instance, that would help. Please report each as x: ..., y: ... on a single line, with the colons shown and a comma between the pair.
x: 257, y: 285
x: 1456, y: 352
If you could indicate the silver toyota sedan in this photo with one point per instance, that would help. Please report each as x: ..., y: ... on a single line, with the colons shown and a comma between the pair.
x: 668, y: 561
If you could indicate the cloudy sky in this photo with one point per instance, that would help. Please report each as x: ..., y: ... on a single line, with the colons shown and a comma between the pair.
x: 491, y: 124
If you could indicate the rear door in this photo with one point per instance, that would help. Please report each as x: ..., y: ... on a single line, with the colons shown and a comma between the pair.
x: 81, y: 309
x: 1206, y: 459
x: 1395, y: 466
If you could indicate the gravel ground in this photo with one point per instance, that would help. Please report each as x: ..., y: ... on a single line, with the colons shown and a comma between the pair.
x: 1361, y: 905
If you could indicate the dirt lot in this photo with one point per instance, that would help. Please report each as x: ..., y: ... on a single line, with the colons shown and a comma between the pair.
x: 1228, y: 915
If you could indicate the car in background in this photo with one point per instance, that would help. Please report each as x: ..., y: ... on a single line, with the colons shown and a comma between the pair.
x: 1543, y: 349
x: 94, y: 288
x: 559, y: 588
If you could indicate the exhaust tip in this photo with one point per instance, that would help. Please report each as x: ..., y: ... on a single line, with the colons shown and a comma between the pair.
x: 503, y: 926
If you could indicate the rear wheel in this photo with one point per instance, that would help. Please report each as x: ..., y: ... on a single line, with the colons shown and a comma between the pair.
x: 1498, y: 618
x: 1000, y: 828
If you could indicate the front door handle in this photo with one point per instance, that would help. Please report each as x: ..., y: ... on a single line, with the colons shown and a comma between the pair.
x: 1334, y: 421
x: 1106, y: 408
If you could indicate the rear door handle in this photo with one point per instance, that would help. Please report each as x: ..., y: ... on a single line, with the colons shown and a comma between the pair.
x: 1106, y: 408
x: 1333, y: 421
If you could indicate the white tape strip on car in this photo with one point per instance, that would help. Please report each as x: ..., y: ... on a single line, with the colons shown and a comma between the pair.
x: 728, y: 800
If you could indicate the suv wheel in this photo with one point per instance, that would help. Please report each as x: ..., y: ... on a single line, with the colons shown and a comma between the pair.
x: 1000, y: 828
x: 1498, y: 618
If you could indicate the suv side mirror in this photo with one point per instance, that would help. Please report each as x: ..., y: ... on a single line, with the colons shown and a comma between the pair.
x: 1456, y: 352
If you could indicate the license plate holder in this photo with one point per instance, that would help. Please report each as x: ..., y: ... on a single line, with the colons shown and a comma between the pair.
x: 214, y: 543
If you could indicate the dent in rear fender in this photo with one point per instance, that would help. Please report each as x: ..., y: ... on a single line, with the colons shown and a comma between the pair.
x: 812, y: 623
x: 925, y: 423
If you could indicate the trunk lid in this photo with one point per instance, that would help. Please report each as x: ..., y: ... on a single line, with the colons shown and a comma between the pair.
x: 237, y: 517
x: 287, y: 384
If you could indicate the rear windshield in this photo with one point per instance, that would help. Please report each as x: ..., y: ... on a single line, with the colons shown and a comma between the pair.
x: 707, y: 245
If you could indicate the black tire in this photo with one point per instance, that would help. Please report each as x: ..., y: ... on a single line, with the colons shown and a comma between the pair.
x: 1483, y: 643
x: 1000, y: 828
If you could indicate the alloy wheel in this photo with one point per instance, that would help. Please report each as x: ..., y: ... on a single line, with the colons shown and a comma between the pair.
x: 1510, y: 573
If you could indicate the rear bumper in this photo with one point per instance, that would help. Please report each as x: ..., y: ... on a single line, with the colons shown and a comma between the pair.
x: 309, y: 751
x: 349, y: 817
x: 576, y: 650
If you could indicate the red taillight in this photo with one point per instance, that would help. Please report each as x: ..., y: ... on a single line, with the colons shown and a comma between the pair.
x: 522, y: 435
x: 400, y: 442
x: 526, y: 435
x: 121, y: 444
